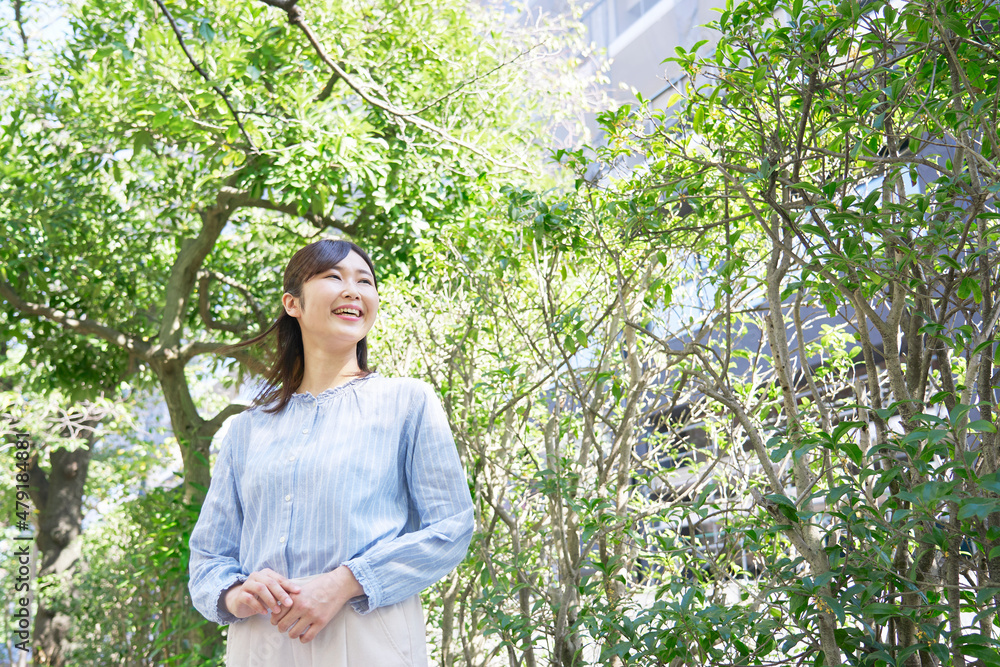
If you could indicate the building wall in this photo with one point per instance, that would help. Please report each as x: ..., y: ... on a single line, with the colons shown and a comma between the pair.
x: 638, y: 35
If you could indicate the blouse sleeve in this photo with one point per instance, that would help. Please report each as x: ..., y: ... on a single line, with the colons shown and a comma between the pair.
x: 215, y: 541
x: 393, y: 570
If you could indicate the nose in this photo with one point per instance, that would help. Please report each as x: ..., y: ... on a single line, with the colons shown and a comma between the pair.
x: 350, y: 289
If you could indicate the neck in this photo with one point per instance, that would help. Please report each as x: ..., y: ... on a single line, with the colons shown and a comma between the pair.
x: 324, y: 371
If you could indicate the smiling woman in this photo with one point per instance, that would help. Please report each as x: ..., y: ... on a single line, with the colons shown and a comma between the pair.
x: 335, y: 309
x: 330, y: 510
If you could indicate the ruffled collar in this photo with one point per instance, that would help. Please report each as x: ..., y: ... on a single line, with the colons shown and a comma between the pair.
x: 328, y: 394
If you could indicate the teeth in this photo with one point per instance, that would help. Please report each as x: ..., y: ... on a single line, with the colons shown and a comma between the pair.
x: 348, y: 311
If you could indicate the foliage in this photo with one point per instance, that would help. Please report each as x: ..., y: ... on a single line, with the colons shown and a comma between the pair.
x: 150, y: 198
x: 839, y: 163
x: 163, y: 160
x: 132, y: 605
x: 523, y: 331
x: 730, y: 401
x: 736, y: 404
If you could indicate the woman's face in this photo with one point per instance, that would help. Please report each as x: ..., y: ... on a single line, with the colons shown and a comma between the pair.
x: 338, y: 306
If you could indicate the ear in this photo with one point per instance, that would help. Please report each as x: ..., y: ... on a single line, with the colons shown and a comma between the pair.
x: 291, y: 305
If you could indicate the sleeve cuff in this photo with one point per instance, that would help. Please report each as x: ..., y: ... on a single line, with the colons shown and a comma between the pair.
x: 223, y: 615
x: 365, y: 604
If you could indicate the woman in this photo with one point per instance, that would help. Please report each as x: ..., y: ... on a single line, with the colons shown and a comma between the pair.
x: 331, y: 508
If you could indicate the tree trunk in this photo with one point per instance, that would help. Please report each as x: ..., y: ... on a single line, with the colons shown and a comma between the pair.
x: 194, y: 437
x: 58, y: 497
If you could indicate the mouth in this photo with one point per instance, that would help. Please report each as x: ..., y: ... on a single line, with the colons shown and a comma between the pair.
x: 348, y: 312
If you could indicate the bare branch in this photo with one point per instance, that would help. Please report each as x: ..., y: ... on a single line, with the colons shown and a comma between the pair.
x: 184, y: 271
x: 473, y: 80
x: 328, y: 88
x: 19, y: 19
x: 204, y: 309
x: 84, y: 418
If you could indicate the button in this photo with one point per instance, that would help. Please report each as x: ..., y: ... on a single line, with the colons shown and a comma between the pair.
x: 305, y: 431
x: 292, y: 457
x: 282, y: 539
x: 288, y: 497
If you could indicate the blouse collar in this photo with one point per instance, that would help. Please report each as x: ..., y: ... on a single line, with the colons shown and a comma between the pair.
x: 327, y: 394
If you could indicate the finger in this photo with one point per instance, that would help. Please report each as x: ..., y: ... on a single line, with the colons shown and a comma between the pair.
x: 279, y: 593
x: 310, y: 633
x: 267, y: 599
x: 252, y: 602
x: 265, y: 577
x: 276, y: 617
x: 288, y: 585
x: 287, y: 623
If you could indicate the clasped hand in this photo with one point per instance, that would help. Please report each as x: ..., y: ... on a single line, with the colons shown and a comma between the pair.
x: 304, y: 609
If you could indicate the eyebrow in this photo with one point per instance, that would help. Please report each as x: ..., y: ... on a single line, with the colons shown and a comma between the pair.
x: 336, y: 267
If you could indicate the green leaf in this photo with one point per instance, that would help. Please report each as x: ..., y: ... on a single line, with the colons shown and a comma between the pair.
x: 161, y: 119
x: 990, y: 482
x: 853, y: 451
x: 140, y: 139
x: 978, y: 507
x: 102, y: 53
x: 982, y: 426
x: 785, y: 504
x: 970, y: 287
x: 206, y: 31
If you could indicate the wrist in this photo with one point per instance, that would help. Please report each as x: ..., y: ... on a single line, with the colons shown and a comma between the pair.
x: 227, y: 597
x: 345, y: 583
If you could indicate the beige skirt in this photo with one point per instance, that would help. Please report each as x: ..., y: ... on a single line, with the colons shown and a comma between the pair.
x: 392, y: 636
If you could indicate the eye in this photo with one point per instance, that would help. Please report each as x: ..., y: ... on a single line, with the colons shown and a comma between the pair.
x: 366, y: 281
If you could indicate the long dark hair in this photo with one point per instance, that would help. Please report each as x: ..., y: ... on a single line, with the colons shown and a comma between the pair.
x: 288, y: 366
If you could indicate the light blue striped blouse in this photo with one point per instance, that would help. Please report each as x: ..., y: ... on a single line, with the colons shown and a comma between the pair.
x: 364, y: 475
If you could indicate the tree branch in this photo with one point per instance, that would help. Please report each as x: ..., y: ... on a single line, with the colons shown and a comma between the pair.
x: 239, y: 199
x: 205, y: 276
x: 297, y: 17
x: 204, y: 279
x: 85, y: 418
x: 474, y: 79
x: 215, y: 423
x: 186, y: 267
x: 83, y: 325
x: 193, y: 349
x: 204, y: 74
x: 19, y: 19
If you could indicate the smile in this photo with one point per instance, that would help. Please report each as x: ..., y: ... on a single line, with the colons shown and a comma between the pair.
x: 348, y: 312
